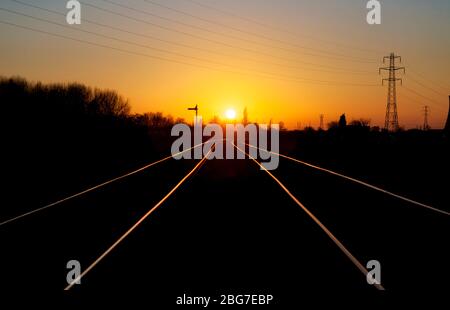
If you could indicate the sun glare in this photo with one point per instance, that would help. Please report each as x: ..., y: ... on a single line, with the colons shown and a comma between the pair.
x: 230, y: 114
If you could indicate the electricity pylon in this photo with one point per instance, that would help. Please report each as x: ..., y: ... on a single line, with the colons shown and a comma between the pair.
x: 391, y: 119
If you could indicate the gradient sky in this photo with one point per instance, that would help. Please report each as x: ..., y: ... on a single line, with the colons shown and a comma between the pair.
x: 286, y: 60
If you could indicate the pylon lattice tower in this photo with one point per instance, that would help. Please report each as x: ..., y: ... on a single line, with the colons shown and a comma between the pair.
x: 321, y: 122
x: 391, y: 119
x: 447, y: 124
x: 426, y: 112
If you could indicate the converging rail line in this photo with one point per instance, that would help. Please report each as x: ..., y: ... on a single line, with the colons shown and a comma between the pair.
x: 356, y: 181
x: 97, y: 186
x: 335, y: 240
x: 339, y: 244
x: 129, y: 231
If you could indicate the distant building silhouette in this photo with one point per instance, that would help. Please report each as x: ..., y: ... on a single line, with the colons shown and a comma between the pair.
x: 342, y: 121
x: 245, y: 118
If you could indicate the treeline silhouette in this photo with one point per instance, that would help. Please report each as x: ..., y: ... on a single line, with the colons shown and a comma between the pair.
x: 75, y: 114
x: 73, y: 105
x: 411, y: 161
x: 72, y: 135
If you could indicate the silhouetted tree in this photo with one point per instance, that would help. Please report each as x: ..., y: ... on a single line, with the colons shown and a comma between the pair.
x: 109, y: 103
x: 214, y: 120
x: 180, y: 120
x: 361, y: 123
x: 342, y: 121
x: 333, y: 125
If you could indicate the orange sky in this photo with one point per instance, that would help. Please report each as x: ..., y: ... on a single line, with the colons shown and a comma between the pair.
x: 283, y: 60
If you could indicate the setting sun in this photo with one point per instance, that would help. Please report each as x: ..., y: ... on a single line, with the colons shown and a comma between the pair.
x: 230, y: 114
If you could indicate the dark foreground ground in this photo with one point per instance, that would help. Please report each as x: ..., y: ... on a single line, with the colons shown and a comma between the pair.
x: 230, y: 229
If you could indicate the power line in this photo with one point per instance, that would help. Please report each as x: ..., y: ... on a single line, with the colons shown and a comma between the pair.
x: 227, y: 35
x: 267, y: 75
x: 337, y: 70
x: 422, y: 96
x: 427, y: 87
x: 197, y: 36
x: 178, y: 31
x: 116, y: 39
x: 339, y: 244
x: 444, y: 88
x: 247, y: 32
x: 120, y: 29
x: 93, y: 188
x: 355, y: 181
x: 129, y: 231
x: 224, y: 12
x: 412, y: 100
x: 417, y: 102
x: 108, y: 47
x: 158, y: 49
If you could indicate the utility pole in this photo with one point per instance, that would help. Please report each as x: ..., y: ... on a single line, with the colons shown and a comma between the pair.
x: 245, y: 119
x: 426, y: 112
x: 194, y: 109
x: 447, y: 123
x: 321, y: 122
x: 391, y: 119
